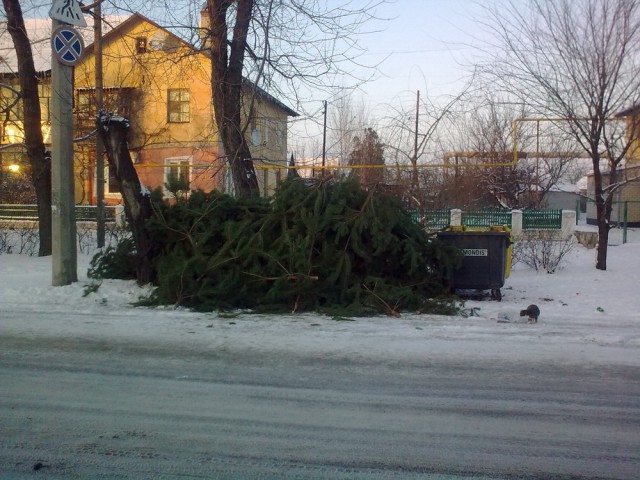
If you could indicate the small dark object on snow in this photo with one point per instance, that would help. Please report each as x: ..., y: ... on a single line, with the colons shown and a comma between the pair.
x: 38, y: 465
x: 533, y: 312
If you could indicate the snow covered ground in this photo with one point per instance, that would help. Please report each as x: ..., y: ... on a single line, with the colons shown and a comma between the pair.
x: 587, y: 316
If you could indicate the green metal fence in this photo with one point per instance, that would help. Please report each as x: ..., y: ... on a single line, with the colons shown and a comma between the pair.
x: 89, y: 213
x: 437, y: 219
x: 84, y: 213
x: 18, y: 212
x: 541, y: 219
x: 625, y: 214
x: 486, y: 218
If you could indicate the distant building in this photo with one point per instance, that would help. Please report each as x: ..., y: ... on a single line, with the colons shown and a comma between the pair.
x: 563, y: 197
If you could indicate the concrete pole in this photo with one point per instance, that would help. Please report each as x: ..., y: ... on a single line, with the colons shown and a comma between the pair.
x: 97, y: 30
x: 64, y: 255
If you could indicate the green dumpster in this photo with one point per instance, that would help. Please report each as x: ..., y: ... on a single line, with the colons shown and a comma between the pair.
x: 487, y: 258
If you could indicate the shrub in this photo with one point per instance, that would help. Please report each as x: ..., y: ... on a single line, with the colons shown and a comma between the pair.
x: 543, y: 251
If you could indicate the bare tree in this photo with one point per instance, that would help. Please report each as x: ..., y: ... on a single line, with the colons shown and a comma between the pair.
x: 271, y: 43
x: 410, y: 129
x: 348, y: 118
x: 486, y: 137
x: 367, y: 151
x: 227, y: 63
x: 39, y: 158
x: 137, y: 201
x: 577, y: 61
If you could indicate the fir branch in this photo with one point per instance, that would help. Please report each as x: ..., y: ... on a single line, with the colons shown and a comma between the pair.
x: 387, y: 308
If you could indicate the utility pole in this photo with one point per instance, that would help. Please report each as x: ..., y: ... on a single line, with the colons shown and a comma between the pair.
x: 67, y: 48
x: 97, y: 30
x: 324, y: 139
x: 537, y: 163
x: 414, y: 181
x: 64, y: 254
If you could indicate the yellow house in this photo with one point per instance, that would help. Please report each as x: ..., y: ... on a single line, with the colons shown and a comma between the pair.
x: 632, y: 118
x: 626, y: 200
x: 12, y: 150
x: 162, y: 85
x: 13, y: 159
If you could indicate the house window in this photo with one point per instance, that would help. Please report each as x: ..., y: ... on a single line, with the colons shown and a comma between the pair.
x: 280, y: 134
x: 259, y: 131
x: 141, y: 45
x: 178, y: 105
x: 111, y: 184
x: 44, y: 93
x: 10, y: 105
x: 118, y: 100
x: 265, y: 130
x: 177, y: 174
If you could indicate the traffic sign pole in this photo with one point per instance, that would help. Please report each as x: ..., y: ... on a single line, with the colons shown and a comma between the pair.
x: 64, y: 253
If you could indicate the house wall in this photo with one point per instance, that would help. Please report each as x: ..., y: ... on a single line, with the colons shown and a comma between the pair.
x: 166, y: 64
x: 267, y: 143
x: 170, y: 64
x: 633, y: 133
x: 629, y: 194
x: 561, y: 200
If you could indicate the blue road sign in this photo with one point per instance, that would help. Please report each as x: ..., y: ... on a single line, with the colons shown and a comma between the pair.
x: 67, y: 45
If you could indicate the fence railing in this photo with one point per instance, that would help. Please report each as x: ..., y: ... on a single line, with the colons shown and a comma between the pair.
x: 541, y: 219
x: 84, y: 213
x: 486, y: 218
x: 437, y: 219
x: 560, y: 223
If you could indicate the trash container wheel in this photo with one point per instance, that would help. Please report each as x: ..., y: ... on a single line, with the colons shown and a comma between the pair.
x: 496, y: 294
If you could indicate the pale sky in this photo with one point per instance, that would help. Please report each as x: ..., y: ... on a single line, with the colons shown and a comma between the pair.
x: 425, y: 45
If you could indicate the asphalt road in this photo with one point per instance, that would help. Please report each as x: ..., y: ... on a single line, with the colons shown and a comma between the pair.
x: 73, y: 408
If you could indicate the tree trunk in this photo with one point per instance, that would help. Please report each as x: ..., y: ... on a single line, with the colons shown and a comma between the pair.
x: 603, y: 214
x: 603, y: 232
x: 226, y: 86
x: 137, y: 203
x: 39, y: 158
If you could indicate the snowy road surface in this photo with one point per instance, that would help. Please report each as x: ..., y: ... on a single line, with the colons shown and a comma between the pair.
x: 81, y: 398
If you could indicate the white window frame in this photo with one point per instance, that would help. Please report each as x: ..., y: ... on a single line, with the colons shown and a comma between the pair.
x: 260, y: 131
x: 107, y: 194
x: 185, y: 106
x: 170, y: 162
x: 280, y: 131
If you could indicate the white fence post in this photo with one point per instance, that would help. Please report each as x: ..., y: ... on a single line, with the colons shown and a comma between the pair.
x: 516, y: 223
x: 568, y: 223
x: 120, y: 218
x: 456, y: 217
